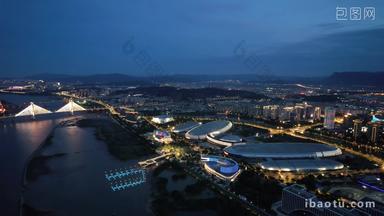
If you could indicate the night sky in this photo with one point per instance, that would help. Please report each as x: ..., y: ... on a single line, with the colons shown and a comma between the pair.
x: 290, y: 38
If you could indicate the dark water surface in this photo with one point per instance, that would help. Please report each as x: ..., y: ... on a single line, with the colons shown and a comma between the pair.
x: 73, y: 181
x: 17, y: 141
x: 76, y: 184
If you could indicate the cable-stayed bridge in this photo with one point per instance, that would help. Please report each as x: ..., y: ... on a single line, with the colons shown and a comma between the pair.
x: 33, y: 109
x: 71, y: 107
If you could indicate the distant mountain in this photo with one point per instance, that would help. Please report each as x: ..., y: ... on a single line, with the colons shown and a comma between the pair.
x: 186, y: 78
x: 90, y: 79
x: 207, y: 77
x: 375, y: 79
x: 187, y: 94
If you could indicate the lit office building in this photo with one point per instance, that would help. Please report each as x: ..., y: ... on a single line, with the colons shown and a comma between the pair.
x: 296, y: 200
x: 317, y: 114
x: 373, y: 132
x: 271, y: 112
x: 329, y: 118
x: 357, y: 123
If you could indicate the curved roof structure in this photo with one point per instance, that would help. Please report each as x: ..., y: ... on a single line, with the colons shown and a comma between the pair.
x: 224, y: 168
x: 301, y: 165
x: 186, y: 126
x: 225, y: 140
x: 162, y: 119
x: 283, y: 150
x: 162, y: 136
x: 213, y: 128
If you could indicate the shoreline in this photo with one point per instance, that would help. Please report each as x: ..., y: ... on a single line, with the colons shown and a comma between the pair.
x: 26, y: 166
x: 68, y: 122
x: 34, y: 154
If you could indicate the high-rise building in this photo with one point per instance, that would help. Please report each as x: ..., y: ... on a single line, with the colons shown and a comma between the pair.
x: 300, y: 113
x: 295, y: 199
x: 317, y: 114
x: 285, y: 113
x: 271, y: 112
x: 329, y: 118
x: 356, y: 128
x: 310, y: 113
x: 373, y: 132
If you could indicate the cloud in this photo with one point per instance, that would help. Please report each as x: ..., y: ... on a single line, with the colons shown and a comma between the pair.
x: 359, y: 50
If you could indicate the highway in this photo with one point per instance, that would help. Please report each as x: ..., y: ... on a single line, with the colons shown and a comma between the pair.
x: 101, y: 103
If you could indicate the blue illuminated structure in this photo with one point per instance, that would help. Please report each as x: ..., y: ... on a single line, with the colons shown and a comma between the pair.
x: 119, y: 174
x: 126, y: 184
x: 375, y: 119
x: 371, y: 186
x: 224, y: 168
x: 121, y: 179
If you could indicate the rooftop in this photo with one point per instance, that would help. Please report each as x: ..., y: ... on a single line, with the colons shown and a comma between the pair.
x: 301, y: 165
x: 283, y: 150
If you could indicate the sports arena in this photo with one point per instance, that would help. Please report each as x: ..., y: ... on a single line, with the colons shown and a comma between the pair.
x: 225, y: 140
x: 282, y: 150
x: 223, y: 168
x: 213, y: 128
x: 162, y: 136
x: 162, y: 119
x: 301, y: 165
x: 186, y: 126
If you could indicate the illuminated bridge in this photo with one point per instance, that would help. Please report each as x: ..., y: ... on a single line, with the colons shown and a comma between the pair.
x: 33, y: 109
x: 154, y: 160
x: 115, y: 175
x: 125, y: 178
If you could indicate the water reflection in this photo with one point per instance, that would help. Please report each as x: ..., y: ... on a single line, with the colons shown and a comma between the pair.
x: 77, y: 184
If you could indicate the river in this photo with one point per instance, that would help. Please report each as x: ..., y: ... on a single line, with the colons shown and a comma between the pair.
x: 70, y: 178
x: 17, y: 141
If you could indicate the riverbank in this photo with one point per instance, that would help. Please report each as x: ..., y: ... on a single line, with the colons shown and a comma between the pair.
x: 35, y: 166
x: 121, y: 143
x: 175, y: 192
x: 99, y: 144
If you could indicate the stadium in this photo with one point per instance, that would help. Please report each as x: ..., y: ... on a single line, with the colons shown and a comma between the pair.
x: 301, y: 165
x: 162, y: 119
x: 162, y: 136
x: 282, y: 150
x: 213, y: 128
x: 225, y: 140
x: 223, y: 168
x: 186, y: 126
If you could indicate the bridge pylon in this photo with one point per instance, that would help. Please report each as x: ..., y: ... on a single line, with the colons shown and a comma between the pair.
x: 32, y: 110
x: 71, y: 107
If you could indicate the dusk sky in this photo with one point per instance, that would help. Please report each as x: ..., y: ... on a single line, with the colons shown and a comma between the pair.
x: 298, y: 38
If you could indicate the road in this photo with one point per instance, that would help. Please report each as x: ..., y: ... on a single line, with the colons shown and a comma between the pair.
x: 298, y: 132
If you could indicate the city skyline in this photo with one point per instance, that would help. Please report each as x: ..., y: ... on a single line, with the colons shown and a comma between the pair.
x: 200, y: 108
